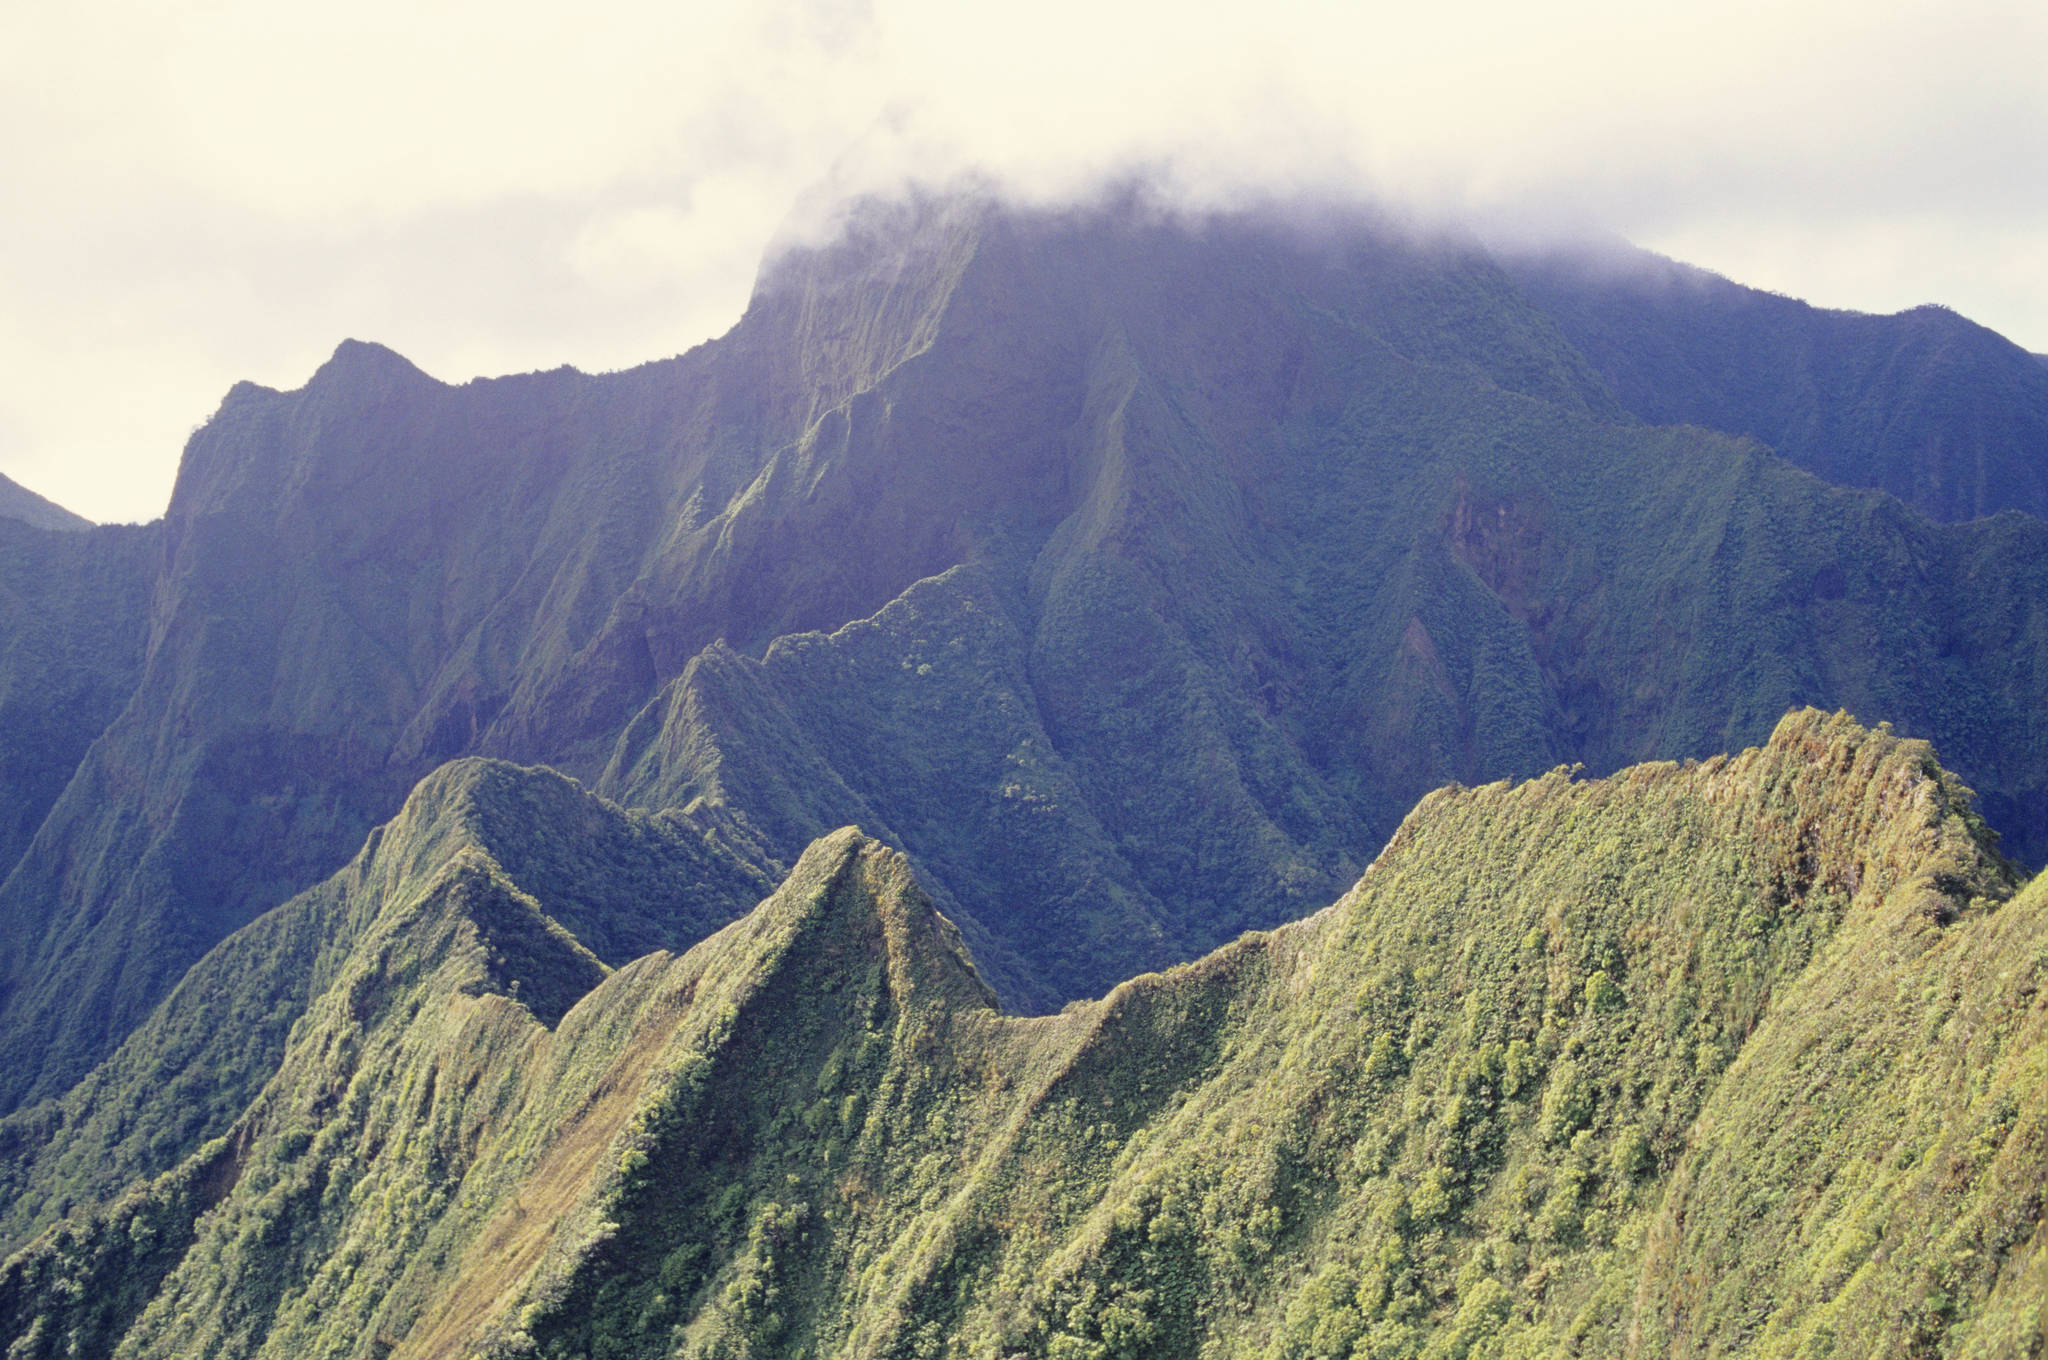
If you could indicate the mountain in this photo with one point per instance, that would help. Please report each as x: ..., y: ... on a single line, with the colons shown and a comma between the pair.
x: 1740, y: 1055
x: 19, y: 503
x: 73, y: 632
x: 1134, y: 575
x: 626, y: 883
x: 1948, y: 416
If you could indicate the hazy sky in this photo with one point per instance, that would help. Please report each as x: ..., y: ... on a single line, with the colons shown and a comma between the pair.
x: 197, y: 191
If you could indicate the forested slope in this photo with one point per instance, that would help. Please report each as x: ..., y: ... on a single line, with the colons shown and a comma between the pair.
x: 1945, y: 414
x: 1741, y: 1055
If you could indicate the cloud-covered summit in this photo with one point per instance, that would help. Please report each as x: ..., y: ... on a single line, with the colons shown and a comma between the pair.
x: 203, y: 194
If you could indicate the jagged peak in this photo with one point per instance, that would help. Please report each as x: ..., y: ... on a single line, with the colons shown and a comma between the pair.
x: 847, y: 883
x: 246, y: 391
x: 356, y: 362
x: 240, y: 458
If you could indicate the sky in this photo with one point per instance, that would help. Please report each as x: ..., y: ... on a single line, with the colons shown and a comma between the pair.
x: 194, y: 192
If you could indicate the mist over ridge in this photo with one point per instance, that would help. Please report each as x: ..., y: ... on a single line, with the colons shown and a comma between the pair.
x: 526, y: 191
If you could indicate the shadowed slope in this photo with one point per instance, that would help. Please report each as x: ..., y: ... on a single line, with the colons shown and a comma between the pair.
x: 17, y: 502
x: 1948, y: 416
x: 73, y: 631
x: 375, y: 573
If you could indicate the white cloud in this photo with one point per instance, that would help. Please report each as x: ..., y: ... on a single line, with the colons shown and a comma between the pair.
x: 704, y: 241
x: 204, y: 190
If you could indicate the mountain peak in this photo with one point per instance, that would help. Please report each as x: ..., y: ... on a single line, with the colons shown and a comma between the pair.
x: 18, y: 502
x: 358, y: 361
x: 849, y: 886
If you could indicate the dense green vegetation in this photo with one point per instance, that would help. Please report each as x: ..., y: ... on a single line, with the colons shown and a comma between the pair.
x: 626, y: 884
x: 1948, y: 416
x: 1134, y: 576
x: 1742, y: 1055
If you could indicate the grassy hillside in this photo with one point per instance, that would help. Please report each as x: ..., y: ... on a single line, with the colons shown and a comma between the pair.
x: 1568, y: 1052
x: 1740, y: 1055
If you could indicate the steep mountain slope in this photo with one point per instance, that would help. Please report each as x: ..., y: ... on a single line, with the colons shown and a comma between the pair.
x: 1135, y: 576
x: 1948, y: 416
x: 366, y: 577
x: 73, y: 628
x: 625, y: 883
x: 19, y: 503
x: 1739, y: 1055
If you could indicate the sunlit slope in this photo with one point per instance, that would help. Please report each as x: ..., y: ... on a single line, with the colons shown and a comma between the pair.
x: 625, y: 883
x: 1739, y: 1055
x: 1467, y: 1109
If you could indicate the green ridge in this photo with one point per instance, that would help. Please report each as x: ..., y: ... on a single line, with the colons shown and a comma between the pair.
x: 624, y: 883
x: 1733, y: 1056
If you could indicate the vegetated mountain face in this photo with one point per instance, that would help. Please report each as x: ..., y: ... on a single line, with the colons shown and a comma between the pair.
x: 1135, y: 577
x: 19, y: 503
x: 1743, y: 1055
x: 1948, y: 416
x: 625, y: 883
x: 73, y: 628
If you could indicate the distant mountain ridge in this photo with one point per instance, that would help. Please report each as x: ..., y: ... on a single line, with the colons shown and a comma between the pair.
x: 1134, y: 576
x: 1948, y: 416
x: 17, y: 502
